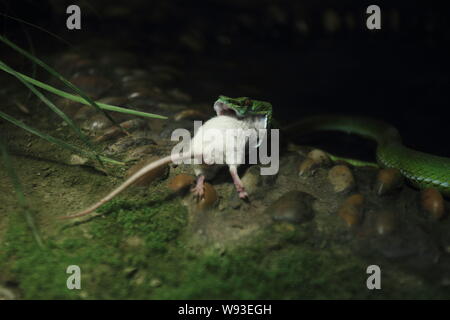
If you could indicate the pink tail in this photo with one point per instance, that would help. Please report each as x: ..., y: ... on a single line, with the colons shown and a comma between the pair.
x: 126, y: 184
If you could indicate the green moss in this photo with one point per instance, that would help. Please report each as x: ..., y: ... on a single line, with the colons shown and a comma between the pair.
x: 260, y: 272
x: 140, y: 241
x: 101, y: 256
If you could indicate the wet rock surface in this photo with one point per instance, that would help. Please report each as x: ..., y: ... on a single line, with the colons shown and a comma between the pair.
x: 294, y: 207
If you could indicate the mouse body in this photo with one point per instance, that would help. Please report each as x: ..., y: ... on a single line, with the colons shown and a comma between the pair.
x: 220, y: 141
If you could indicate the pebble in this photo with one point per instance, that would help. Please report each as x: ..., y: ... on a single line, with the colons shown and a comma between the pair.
x: 190, y: 114
x: 319, y: 156
x: 210, y: 198
x: 158, y: 173
x: 432, y: 203
x: 385, y: 222
x: 293, y: 207
x: 146, y: 90
x: 115, y: 131
x: 341, y: 177
x: 331, y: 21
x: 96, y: 123
x: 181, y: 182
x: 85, y: 112
x: 6, y: 294
x: 110, y: 133
x: 93, y: 86
x: 155, y: 283
x: 307, y: 167
x: 351, y: 210
x: 179, y: 95
x: 139, y: 152
x: 113, y: 100
x: 314, y: 159
x: 22, y: 107
x: 128, y: 142
x: 252, y: 180
x: 387, y: 181
x: 77, y: 160
x: 134, y: 242
x: 167, y: 131
x: 69, y: 107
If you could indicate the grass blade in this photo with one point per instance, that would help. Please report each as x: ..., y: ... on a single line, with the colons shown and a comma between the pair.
x: 82, y: 100
x: 57, y: 75
x: 37, y: 27
x: 57, y: 141
x: 20, y: 195
x: 50, y: 105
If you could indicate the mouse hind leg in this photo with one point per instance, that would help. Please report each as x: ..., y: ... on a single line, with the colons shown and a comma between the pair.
x: 237, y: 182
x: 199, y: 189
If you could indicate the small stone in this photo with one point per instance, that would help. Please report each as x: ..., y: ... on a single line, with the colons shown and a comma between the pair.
x: 341, y: 177
x: 6, y: 294
x: 319, y: 156
x: 158, y: 173
x: 179, y: 95
x: 190, y: 114
x: 84, y: 112
x: 139, y: 279
x: 22, y: 107
x: 252, y: 180
x: 130, y: 271
x: 307, y: 167
x: 181, y: 182
x: 137, y: 139
x: 331, y: 21
x: 139, y: 152
x: 134, y: 242
x: 93, y: 86
x: 314, y: 159
x: 96, y: 123
x: 352, y: 210
x: 110, y: 133
x: 113, y: 100
x: 166, y: 133
x: 388, y: 180
x: 293, y: 207
x: 69, y: 107
x: 115, y: 131
x: 155, y: 283
x: 141, y: 93
x: 76, y: 160
x: 209, y: 199
x: 385, y: 222
x: 432, y: 203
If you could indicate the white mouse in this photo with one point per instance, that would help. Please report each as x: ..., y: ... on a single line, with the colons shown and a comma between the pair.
x: 222, y: 140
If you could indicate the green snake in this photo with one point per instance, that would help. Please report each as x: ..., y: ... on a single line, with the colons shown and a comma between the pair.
x: 421, y: 169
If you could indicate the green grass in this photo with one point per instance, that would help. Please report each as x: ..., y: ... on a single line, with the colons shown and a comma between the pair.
x: 24, y: 208
x: 31, y: 85
x: 81, y: 97
x: 145, y: 238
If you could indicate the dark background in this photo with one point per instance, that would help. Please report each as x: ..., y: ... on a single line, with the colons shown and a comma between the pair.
x: 306, y: 57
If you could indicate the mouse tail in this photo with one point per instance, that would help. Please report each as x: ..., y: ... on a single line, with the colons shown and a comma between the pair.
x: 135, y: 177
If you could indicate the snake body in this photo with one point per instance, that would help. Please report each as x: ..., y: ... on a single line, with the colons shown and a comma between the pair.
x: 421, y: 169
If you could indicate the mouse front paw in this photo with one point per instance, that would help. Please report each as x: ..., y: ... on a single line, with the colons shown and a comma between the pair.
x: 243, y: 194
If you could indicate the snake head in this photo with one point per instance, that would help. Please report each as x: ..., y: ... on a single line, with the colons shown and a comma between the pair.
x: 243, y: 107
